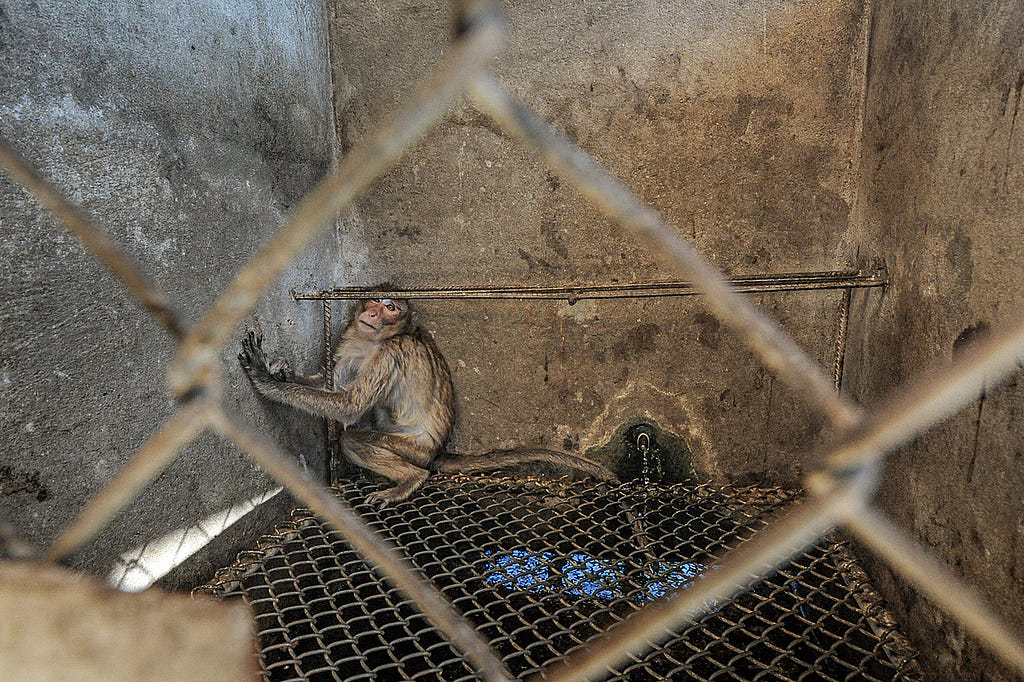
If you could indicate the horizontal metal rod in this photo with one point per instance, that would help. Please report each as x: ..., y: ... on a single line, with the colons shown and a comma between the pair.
x: 764, y: 336
x: 368, y: 160
x: 751, y: 284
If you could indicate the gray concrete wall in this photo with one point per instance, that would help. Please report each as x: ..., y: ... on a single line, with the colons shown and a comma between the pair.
x: 943, y: 170
x: 188, y: 130
x: 739, y: 122
x: 760, y: 130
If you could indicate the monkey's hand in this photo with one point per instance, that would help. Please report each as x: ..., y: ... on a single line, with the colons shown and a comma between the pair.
x: 255, y: 363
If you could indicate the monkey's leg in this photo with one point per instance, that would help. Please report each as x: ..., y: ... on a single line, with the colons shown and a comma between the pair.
x: 398, y: 458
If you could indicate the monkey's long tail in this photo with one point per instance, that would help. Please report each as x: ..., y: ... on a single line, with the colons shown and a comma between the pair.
x: 451, y: 463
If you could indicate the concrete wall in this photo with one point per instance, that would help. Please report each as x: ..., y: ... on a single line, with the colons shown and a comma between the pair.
x: 942, y: 176
x: 738, y: 121
x: 188, y: 130
x: 769, y: 133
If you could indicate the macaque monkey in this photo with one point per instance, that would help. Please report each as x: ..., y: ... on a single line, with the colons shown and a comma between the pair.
x: 393, y: 396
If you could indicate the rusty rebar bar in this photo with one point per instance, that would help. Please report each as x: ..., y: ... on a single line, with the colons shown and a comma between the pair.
x: 747, y: 284
x: 364, y: 164
x: 759, y: 332
x: 378, y: 552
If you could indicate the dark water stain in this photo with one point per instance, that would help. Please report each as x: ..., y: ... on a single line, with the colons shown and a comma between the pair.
x: 959, y: 256
x: 636, y: 342
x: 969, y: 335
x: 554, y: 238
x: 535, y: 261
x: 709, y: 330
x: 16, y: 481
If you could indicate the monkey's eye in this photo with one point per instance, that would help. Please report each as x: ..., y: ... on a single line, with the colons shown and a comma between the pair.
x: 387, y: 303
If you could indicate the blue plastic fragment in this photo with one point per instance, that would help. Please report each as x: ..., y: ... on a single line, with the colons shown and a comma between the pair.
x: 583, y: 575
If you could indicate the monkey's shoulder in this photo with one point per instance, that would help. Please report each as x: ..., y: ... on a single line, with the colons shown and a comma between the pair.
x: 410, y: 344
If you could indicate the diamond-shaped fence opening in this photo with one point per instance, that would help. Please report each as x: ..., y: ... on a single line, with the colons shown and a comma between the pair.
x: 532, y: 595
x: 541, y: 568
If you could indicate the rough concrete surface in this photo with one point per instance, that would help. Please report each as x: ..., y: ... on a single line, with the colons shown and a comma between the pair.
x: 942, y: 176
x: 187, y: 131
x: 738, y: 121
x: 52, y: 620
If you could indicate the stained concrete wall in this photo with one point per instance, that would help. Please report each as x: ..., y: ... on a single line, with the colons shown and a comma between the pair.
x: 188, y: 130
x: 943, y: 170
x: 739, y: 122
x: 766, y: 132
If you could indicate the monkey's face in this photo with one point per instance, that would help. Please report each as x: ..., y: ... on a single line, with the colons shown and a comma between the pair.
x: 382, y: 318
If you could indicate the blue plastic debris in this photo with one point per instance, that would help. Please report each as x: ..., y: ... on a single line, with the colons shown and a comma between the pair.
x: 583, y: 575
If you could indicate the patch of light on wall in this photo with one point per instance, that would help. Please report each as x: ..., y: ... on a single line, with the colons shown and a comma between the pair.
x: 140, y: 568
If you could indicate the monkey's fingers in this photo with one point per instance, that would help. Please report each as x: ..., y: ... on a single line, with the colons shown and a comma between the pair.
x: 378, y: 499
x: 252, y: 348
x: 250, y: 344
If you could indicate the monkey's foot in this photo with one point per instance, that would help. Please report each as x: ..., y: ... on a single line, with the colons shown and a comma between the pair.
x: 383, y: 498
x: 402, y: 491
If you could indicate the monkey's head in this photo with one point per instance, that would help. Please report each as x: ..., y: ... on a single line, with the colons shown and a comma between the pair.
x: 378, y: 319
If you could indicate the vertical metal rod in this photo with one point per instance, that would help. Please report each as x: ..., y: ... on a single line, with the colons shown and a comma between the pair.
x: 330, y: 426
x: 844, y: 324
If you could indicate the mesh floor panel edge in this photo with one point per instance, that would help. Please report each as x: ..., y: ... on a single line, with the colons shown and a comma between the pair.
x: 540, y: 567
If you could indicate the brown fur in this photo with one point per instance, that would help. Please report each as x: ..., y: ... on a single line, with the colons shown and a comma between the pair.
x: 394, y: 387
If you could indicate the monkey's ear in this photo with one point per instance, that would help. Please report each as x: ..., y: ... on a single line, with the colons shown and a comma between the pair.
x: 412, y: 317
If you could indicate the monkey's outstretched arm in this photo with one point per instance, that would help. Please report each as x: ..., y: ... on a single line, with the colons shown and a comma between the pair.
x: 345, y: 406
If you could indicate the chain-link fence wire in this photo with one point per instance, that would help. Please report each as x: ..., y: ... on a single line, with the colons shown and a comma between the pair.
x: 842, y: 488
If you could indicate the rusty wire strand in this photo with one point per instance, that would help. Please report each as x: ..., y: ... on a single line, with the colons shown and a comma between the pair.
x: 798, y: 528
x: 751, y: 284
x: 378, y: 551
x: 140, y: 284
x: 142, y: 469
x: 917, y: 405
x: 936, y: 581
x: 364, y: 164
x: 914, y: 408
x: 759, y: 332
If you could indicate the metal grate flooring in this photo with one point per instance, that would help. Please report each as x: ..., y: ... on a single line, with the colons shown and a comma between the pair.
x: 540, y: 568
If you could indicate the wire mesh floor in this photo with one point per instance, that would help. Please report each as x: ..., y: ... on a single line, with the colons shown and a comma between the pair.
x: 541, y: 567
